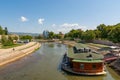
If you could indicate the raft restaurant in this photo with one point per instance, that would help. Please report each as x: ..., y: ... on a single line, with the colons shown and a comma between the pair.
x: 83, y: 61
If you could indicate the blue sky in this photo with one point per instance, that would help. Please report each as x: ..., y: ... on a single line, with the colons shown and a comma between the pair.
x: 57, y: 15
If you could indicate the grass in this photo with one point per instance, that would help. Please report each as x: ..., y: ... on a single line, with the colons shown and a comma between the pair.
x: 36, y: 49
x: 15, y: 45
x: 97, y: 45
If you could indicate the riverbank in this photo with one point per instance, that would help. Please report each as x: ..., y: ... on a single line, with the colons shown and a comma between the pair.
x: 69, y: 43
x: 10, y: 55
x: 115, y: 65
x: 35, y: 67
x: 101, y: 49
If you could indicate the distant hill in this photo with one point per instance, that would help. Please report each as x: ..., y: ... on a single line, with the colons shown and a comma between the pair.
x: 23, y: 33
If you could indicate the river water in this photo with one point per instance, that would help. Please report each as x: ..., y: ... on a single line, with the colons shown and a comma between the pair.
x: 44, y: 64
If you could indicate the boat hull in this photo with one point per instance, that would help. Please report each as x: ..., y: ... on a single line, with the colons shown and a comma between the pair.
x: 65, y: 68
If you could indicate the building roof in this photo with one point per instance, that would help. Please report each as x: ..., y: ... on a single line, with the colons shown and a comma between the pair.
x: 83, y: 55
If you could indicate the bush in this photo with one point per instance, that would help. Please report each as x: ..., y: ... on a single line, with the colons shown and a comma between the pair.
x: 6, y: 42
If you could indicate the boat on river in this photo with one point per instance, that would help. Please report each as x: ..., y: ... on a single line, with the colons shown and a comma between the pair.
x: 83, y: 61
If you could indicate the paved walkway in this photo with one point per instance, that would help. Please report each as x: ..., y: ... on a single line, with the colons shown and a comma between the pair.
x: 9, y: 55
x: 16, y: 48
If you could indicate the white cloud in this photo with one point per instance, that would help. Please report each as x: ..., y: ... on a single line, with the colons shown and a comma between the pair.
x: 66, y: 27
x: 70, y: 25
x: 53, y: 25
x: 23, y: 19
x: 41, y: 20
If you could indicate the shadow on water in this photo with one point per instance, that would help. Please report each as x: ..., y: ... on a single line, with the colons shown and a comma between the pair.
x: 59, y: 44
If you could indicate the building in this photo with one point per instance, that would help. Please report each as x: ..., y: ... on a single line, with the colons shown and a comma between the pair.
x: 45, y: 34
x: 83, y: 61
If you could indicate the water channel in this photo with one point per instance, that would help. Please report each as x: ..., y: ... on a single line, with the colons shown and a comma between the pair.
x: 44, y: 64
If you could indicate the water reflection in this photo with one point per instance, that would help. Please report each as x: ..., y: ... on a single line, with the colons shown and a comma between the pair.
x: 59, y: 45
x: 50, y: 45
x: 44, y: 64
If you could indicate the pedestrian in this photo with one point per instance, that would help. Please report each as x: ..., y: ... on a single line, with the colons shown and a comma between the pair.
x: 13, y: 49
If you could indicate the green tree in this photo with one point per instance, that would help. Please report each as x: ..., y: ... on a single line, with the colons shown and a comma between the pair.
x: 67, y: 36
x: 3, y: 39
x: 97, y: 34
x: 114, y: 34
x: 39, y: 37
x: 6, y: 31
x: 7, y: 41
x: 15, y: 38
x: 57, y: 36
x: 104, y: 30
x: 1, y: 30
x: 74, y: 34
x: 51, y: 35
x: 88, y: 35
x: 26, y: 37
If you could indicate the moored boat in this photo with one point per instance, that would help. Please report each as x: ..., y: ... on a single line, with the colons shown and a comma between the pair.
x: 83, y: 61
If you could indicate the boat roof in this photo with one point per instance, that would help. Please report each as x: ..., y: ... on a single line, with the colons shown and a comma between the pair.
x: 83, y: 55
x: 87, y: 61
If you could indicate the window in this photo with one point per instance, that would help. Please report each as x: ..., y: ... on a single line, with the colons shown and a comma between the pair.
x: 93, y: 66
x: 81, y: 66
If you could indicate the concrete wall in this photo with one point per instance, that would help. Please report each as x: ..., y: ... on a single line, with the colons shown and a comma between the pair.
x: 106, y: 42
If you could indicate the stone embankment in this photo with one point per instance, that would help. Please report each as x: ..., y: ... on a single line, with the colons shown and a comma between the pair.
x: 70, y: 43
x: 9, y: 55
x: 116, y: 65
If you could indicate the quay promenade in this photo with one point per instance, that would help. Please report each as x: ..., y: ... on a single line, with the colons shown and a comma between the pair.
x: 9, y: 55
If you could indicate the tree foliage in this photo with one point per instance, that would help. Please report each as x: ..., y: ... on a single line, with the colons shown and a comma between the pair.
x: 39, y: 37
x: 103, y: 29
x: 51, y: 35
x: 6, y: 31
x: 3, y: 31
x: 114, y: 34
x: 108, y: 32
x: 26, y: 37
x: 7, y: 41
x: 74, y: 34
x: 88, y: 35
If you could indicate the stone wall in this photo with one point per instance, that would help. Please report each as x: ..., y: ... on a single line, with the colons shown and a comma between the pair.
x: 106, y: 42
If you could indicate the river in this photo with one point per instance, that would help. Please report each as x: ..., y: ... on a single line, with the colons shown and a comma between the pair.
x: 44, y: 64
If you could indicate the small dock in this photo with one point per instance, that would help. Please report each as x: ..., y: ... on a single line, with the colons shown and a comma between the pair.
x: 110, y: 59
